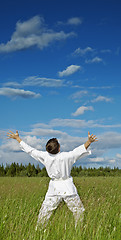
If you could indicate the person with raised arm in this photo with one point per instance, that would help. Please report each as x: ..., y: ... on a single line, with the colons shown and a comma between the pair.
x: 58, y: 165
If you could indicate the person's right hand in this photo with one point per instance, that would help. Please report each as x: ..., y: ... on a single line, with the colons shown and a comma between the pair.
x: 10, y: 134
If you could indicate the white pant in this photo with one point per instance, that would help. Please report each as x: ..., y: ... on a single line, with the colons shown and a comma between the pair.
x: 51, y: 202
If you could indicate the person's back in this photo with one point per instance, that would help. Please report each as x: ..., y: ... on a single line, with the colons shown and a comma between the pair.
x: 58, y: 166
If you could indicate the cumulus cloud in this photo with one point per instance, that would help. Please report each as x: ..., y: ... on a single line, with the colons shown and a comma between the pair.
x: 13, y: 92
x: 46, y: 132
x: 106, y: 141
x: 94, y: 60
x: 102, y: 99
x: 11, y: 145
x: 82, y: 109
x: 69, y: 70
x: 109, y: 140
x: 32, y: 32
x: 34, y: 141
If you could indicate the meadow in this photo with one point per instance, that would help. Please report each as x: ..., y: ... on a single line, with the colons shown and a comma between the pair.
x: 21, y: 199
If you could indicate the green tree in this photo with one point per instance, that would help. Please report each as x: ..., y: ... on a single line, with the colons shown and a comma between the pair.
x: 2, y: 171
x: 12, y: 170
x: 29, y: 170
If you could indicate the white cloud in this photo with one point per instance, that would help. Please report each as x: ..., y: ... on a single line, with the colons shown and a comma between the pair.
x: 69, y: 70
x: 41, y: 125
x: 94, y: 60
x: 77, y: 123
x: 118, y: 155
x: 46, y: 132
x: 43, y: 82
x: 12, y: 92
x: 101, y: 87
x: 37, y: 81
x: 118, y: 51
x: 34, y: 141
x: 105, y: 51
x: 112, y: 161
x: 10, y: 145
x: 12, y: 84
x: 108, y: 140
x: 79, y: 94
x: 74, y: 21
x: 97, y: 159
x: 84, y: 51
x: 102, y: 99
x: 32, y: 32
x: 73, y: 123
x: 82, y: 109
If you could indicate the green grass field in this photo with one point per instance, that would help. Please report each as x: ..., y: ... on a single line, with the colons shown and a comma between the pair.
x: 21, y: 199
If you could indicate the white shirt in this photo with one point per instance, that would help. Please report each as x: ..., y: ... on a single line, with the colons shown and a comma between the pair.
x: 58, y: 167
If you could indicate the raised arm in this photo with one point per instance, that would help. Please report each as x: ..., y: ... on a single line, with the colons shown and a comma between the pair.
x: 14, y: 136
x: 91, y: 138
x: 36, y: 154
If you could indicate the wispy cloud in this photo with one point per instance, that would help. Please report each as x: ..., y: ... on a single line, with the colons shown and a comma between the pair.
x: 84, y: 51
x: 94, y: 60
x: 101, y: 87
x: 79, y: 94
x: 78, y: 123
x: 82, y: 109
x: 97, y: 159
x: 43, y: 82
x: 102, y: 99
x: 32, y: 32
x: 37, y: 81
x: 70, y: 70
x: 12, y: 84
x: 105, y: 51
x: 117, y: 52
x: 13, y: 93
x: 74, y: 21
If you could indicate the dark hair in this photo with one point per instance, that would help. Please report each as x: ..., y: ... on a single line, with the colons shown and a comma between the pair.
x: 53, y: 146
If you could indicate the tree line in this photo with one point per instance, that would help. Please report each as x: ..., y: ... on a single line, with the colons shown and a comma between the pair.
x: 30, y: 170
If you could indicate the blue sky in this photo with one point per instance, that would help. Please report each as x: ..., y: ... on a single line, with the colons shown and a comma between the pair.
x: 60, y: 77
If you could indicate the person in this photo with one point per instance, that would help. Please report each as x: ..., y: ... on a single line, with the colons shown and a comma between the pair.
x: 58, y: 165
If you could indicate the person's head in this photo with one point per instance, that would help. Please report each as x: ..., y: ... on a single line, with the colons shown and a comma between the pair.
x: 53, y: 146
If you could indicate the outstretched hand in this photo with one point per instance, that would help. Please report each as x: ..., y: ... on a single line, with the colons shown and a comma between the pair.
x: 92, y: 138
x: 10, y: 134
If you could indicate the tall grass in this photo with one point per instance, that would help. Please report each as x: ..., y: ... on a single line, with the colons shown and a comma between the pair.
x: 21, y: 199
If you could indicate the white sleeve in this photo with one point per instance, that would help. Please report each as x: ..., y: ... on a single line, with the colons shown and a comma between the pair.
x: 36, y: 154
x: 78, y: 153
